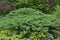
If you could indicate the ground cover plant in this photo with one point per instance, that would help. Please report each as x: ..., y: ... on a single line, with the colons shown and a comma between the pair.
x: 29, y: 19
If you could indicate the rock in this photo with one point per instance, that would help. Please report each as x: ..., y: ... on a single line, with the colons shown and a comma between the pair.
x: 25, y: 39
x: 11, y: 38
x: 48, y: 38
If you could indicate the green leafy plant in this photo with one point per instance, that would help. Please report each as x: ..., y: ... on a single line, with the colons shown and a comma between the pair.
x: 27, y: 20
x: 35, y: 4
x: 56, y: 13
x: 47, y: 6
x: 26, y: 15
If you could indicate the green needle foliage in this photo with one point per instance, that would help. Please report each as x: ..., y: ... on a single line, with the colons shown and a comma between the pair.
x: 26, y: 19
x: 29, y: 18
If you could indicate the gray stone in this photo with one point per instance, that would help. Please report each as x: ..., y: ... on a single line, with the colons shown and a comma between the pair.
x: 48, y: 38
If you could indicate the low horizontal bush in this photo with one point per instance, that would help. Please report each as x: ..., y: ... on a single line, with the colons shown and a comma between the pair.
x: 27, y: 20
x: 26, y: 16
